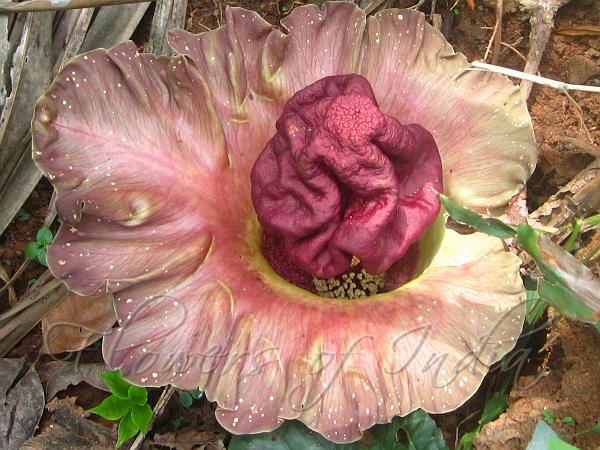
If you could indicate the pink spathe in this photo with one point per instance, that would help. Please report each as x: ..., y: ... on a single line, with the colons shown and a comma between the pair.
x: 151, y: 158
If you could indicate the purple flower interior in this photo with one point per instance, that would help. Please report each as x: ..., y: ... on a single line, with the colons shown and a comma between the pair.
x: 340, y: 179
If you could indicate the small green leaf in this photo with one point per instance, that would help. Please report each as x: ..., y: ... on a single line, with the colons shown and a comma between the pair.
x: 495, y: 406
x: 115, y: 382
x: 598, y: 325
x: 491, y: 226
x: 44, y: 236
x: 7, y: 262
x: 185, y: 398
x: 32, y: 250
x: 23, y: 215
x: 549, y: 416
x: 556, y: 443
x: 568, y: 420
x: 127, y: 430
x: 141, y: 416
x: 31, y: 281
x: 467, y: 440
x: 179, y: 422
x: 41, y: 257
x: 138, y: 395
x: 196, y: 394
x: 112, y: 408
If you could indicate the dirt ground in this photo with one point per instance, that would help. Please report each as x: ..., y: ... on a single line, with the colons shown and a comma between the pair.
x: 566, y: 385
x: 563, y: 376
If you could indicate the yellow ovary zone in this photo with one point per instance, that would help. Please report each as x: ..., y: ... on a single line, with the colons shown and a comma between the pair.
x: 429, y: 246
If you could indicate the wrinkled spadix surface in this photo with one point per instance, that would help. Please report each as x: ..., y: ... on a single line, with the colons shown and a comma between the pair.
x: 341, y: 179
x: 151, y: 158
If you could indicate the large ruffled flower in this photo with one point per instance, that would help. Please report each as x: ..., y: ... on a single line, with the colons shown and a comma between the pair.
x: 152, y: 160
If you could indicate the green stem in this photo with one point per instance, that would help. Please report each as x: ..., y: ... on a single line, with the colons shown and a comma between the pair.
x: 589, y: 257
x: 574, y: 235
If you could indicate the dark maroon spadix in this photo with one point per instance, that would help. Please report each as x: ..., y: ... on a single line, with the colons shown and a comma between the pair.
x: 342, y: 179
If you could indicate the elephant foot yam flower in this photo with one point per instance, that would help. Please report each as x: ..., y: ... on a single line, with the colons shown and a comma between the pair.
x: 262, y: 208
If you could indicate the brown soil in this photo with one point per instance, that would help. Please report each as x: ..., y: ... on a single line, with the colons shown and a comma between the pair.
x: 566, y: 383
x: 567, y: 386
x: 567, y: 58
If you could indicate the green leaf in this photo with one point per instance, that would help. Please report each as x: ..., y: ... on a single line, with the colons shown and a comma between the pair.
x: 568, y: 420
x: 41, y: 257
x: 549, y: 416
x: 185, y: 398
x: 495, y: 406
x: 545, y: 438
x: 115, y: 382
x: 32, y: 250
x: 138, y: 395
x: 178, y: 422
x: 527, y: 238
x: 289, y: 436
x: 491, y: 226
x: 467, y: 439
x: 112, y: 408
x: 556, y: 443
x: 534, y: 304
x: 565, y: 300
x: 574, y: 235
x: 23, y: 215
x: 422, y: 432
x: 196, y: 394
x: 44, y: 236
x: 541, y: 434
x: 598, y: 325
x: 127, y: 430
x: 418, y: 427
x: 141, y: 416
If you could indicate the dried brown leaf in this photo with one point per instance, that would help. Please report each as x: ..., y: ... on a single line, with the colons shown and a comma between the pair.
x: 59, y: 375
x: 22, y: 404
x: 189, y: 438
x: 580, y: 30
x: 77, y: 322
x: 73, y: 418
x: 55, y: 436
x: 12, y: 296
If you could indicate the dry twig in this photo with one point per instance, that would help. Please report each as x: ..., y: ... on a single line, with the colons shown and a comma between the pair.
x: 49, y: 5
x: 496, y: 34
x: 580, y: 115
x: 167, y: 393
